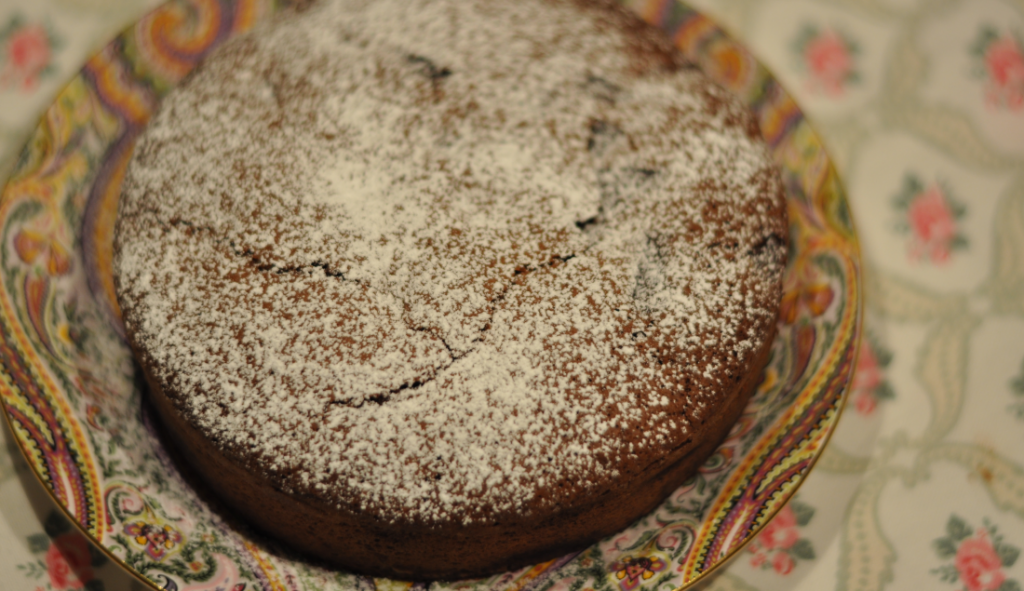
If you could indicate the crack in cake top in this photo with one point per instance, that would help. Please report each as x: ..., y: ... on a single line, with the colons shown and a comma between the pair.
x: 441, y: 259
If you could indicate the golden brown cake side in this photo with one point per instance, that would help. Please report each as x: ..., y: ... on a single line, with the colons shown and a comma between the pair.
x: 440, y: 304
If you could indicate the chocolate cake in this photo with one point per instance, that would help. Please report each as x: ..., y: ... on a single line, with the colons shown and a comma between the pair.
x: 437, y: 288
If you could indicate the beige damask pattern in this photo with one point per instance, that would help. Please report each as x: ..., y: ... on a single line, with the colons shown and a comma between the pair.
x: 946, y: 443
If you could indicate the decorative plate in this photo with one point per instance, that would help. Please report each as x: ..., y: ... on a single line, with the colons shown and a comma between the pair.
x: 73, y: 395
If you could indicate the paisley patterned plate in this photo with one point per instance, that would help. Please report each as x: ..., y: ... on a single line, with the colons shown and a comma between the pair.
x: 73, y: 396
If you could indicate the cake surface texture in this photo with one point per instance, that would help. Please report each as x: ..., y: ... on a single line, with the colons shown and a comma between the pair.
x: 437, y: 288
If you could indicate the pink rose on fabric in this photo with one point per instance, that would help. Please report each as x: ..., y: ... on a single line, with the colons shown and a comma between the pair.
x: 868, y: 380
x: 932, y: 223
x: 869, y: 373
x: 779, y: 546
x: 979, y: 565
x: 28, y: 54
x: 929, y: 216
x: 68, y: 562
x: 759, y: 559
x: 782, y: 563
x: 781, y: 531
x: 1004, y: 61
x: 829, y: 60
x: 978, y: 556
x: 865, y: 403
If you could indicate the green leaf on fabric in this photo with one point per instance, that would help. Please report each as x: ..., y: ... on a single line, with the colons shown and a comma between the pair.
x: 986, y: 35
x: 38, y: 543
x: 947, y: 573
x: 884, y: 391
x: 912, y: 185
x: 883, y: 356
x: 957, y: 528
x: 803, y: 513
x: 807, y: 33
x: 1017, y: 384
x: 803, y: 549
x: 1007, y: 554
x: 945, y: 548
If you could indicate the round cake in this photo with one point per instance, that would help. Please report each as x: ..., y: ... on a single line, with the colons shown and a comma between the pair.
x: 437, y: 288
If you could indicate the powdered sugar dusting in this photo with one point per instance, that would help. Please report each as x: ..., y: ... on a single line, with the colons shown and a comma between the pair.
x: 507, y: 260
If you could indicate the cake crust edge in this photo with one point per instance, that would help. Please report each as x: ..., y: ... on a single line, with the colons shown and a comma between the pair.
x: 364, y: 544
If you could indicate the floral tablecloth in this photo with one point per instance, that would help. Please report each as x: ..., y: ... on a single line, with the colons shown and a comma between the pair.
x: 921, y: 103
